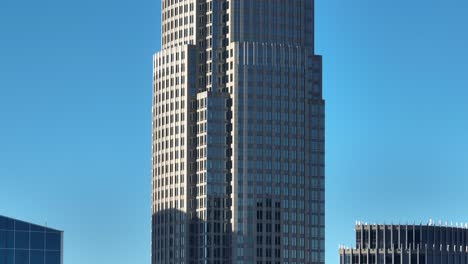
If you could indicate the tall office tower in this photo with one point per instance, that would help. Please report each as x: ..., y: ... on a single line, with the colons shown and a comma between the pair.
x: 238, y: 134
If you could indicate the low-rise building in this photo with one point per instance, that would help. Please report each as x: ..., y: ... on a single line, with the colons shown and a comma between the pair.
x: 407, y: 244
x: 26, y: 243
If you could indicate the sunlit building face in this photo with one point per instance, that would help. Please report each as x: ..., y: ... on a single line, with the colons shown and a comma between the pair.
x: 238, y: 134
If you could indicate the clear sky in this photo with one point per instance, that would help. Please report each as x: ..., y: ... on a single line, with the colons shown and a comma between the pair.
x: 75, y: 117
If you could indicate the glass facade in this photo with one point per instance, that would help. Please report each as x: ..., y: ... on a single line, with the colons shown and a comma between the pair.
x: 25, y: 243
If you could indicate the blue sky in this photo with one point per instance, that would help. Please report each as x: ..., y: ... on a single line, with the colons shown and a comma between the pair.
x: 75, y: 101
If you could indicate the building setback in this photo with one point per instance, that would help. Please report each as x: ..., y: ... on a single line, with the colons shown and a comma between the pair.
x: 25, y: 243
x: 412, y: 244
x: 238, y: 134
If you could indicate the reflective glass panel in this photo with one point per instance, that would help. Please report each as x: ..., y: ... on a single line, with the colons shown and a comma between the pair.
x: 37, y: 240
x: 53, y: 241
x: 22, y: 257
x: 37, y: 257
x: 21, y: 226
x: 21, y: 240
x: 6, y: 239
x: 6, y: 256
x: 6, y: 224
x: 52, y: 257
x: 37, y: 228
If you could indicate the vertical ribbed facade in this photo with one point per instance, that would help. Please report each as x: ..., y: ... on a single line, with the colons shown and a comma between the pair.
x: 408, y: 244
x: 238, y: 134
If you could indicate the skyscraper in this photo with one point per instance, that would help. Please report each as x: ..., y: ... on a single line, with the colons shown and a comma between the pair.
x: 238, y: 134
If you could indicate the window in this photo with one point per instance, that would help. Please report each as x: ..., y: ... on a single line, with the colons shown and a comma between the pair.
x: 53, y: 241
x: 22, y: 257
x: 21, y: 240
x: 6, y: 256
x: 6, y: 239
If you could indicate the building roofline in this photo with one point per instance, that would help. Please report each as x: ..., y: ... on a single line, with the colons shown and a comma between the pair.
x: 430, y: 223
x: 46, y: 227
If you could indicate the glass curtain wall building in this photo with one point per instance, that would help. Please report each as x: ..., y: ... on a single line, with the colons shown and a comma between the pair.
x: 25, y: 243
x: 238, y: 134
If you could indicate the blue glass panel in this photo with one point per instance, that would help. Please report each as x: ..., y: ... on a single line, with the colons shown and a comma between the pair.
x: 53, y: 241
x: 52, y: 257
x: 37, y: 228
x: 37, y: 257
x: 21, y: 240
x: 6, y: 256
x: 6, y: 239
x: 6, y: 223
x: 37, y: 240
x: 21, y: 257
x: 21, y: 226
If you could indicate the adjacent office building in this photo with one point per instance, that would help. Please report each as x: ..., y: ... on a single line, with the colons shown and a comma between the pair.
x: 408, y: 244
x: 238, y: 134
x: 25, y: 243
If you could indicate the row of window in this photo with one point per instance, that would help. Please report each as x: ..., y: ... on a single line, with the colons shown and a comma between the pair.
x: 9, y: 256
x: 173, y: 192
x: 259, y: 178
x: 286, y: 254
x: 162, y: 133
x: 166, y: 107
x: 161, y: 73
x: 378, y: 237
x: 169, y: 168
x: 170, y: 83
x: 172, y: 24
x: 171, y: 156
x: 168, y: 3
x: 168, y: 59
x: 171, y: 37
x: 160, y: 206
x: 30, y: 240
x: 167, y: 181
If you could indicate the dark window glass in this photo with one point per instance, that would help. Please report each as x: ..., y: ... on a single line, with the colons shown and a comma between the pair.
x: 37, y: 257
x: 21, y: 226
x: 22, y: 256
x: 395, y: 238
x: 410, y: 238
x: 388, y: 239
x: 6, y: 239
x: 53, y: 241
x: 380, y: 236
x: 6, y: 223
x: 373, y: 238
x: 37, y: 228
x: 366, y: 239
x: 417, y: 237
x: 22, y: 240
x: 358, y: 238
x: 52, y: 257
x: 37, y: 240
x: 6, y: 256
